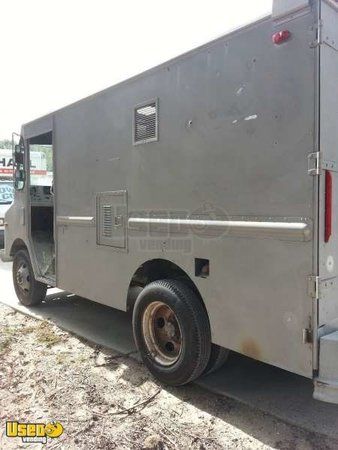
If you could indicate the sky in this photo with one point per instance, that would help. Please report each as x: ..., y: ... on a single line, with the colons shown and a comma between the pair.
x: 54, y: 52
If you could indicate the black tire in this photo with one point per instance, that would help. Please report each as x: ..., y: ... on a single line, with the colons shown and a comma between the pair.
x: 218, y: 358
x: 29, y: 291
x: 186, y: 325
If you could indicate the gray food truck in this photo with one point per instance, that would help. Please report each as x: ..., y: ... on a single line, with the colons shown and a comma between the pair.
x: 202, y: 196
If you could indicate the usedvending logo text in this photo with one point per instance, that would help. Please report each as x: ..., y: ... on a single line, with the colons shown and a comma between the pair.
x: 33, y: 432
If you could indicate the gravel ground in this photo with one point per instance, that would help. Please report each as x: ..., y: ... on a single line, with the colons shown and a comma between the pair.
x: 106, y: 400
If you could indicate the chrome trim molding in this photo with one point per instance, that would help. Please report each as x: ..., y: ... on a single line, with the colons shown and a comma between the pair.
x: 75, y: 220
x: 295, y: 231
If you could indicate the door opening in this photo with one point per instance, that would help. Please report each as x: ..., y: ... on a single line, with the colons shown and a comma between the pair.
x: 41, y: 203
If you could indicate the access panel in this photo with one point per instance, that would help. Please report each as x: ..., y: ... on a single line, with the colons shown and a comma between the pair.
x: 111, y: 219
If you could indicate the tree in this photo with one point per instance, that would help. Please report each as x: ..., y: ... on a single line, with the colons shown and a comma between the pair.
x: 48, y: 151
x: 5, y: 143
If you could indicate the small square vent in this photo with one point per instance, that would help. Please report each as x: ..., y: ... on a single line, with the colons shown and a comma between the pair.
x: 146, y: 123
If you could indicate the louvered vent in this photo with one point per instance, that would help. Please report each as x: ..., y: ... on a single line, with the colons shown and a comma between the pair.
x: 111, y: 219
x: 146, y: 123
x: 107, y: 220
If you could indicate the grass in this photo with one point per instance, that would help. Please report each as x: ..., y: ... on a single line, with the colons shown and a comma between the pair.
x: 45, y: 335
x: 6, y: 338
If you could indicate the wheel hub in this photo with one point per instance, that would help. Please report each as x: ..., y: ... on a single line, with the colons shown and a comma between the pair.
x: 162, y: 333
x: 23, y: 277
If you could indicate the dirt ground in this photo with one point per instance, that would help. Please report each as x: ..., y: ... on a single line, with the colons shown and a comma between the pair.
x: 106, y: 400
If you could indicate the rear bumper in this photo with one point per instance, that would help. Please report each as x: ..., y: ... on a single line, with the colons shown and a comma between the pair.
x: 326, y: 391
x: 5, y: 258
x: 326, y: 385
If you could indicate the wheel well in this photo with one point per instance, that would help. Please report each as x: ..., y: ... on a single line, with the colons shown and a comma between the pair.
x: 17, y: 245
x: 156, y: 269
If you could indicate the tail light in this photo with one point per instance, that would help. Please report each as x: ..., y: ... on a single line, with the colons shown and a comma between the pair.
x: 328, y: 206
x: 281, y: 36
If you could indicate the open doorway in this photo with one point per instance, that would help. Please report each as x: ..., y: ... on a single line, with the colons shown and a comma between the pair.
x: 41, y: 203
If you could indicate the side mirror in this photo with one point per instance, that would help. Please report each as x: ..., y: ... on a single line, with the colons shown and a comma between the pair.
x: 19, y: 179
x: 19, y: 154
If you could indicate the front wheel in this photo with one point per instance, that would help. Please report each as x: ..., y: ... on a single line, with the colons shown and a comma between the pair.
x: 29, y: 291
x: 172, y: 332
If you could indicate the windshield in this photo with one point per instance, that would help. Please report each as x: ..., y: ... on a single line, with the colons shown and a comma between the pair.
x: 41, y: 164
x: 6, y: 193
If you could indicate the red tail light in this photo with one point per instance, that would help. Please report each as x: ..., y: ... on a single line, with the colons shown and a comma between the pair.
x: 328, y: 205
x: 281, y: 36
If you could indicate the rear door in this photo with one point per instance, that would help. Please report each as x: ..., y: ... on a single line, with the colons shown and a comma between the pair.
x: 328, y: 180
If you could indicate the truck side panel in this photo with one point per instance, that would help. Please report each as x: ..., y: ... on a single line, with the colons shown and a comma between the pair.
x: 236, y: 124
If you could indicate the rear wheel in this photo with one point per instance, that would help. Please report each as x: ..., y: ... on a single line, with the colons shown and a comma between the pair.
x: 172, y: 332
x: 29, y: 291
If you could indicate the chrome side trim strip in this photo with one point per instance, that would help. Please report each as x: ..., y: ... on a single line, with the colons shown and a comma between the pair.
x: 295, y: 231
x: 75, y: 220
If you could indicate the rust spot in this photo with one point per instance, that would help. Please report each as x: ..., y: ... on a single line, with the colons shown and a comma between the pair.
x: 250, y: 348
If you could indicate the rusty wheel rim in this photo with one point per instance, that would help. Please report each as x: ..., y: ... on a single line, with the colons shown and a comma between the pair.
x: 23, y: 277
x: 162, y: 333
